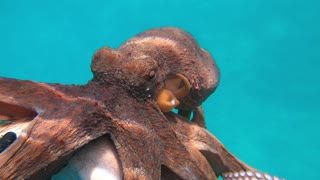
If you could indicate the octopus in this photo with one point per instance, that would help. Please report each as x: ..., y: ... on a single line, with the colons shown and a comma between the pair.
x: 121, y: 124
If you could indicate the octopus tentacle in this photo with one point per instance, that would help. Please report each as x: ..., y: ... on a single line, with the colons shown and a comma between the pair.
x: 209, y: 149
x: 198, y: 117
x: 175, y: 87
x: 250, y: 175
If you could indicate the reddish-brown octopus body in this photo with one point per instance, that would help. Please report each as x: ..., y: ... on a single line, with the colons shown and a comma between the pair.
x: 129, y: 103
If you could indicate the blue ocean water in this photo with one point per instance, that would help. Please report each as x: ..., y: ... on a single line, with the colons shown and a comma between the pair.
x: 266, y: 110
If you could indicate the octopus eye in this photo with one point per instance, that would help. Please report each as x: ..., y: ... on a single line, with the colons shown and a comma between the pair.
x: 176, y: 86
x: 152, y: 74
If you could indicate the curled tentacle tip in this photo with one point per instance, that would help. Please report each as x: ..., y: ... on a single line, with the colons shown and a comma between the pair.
x: 167, y: 101
x: 249, y: 175
x: 176, y: 86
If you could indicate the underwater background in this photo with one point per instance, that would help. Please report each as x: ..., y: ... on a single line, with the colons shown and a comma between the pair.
x: 266, y: 110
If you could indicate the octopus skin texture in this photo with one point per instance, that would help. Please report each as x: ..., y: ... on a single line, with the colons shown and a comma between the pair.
x: 122, y: 116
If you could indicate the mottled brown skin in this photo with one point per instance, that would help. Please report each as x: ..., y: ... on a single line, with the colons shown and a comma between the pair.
x: 120, y: 102
x: 165, y: 50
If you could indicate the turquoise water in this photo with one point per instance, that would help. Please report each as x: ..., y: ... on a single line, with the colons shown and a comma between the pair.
x: 266, y: 110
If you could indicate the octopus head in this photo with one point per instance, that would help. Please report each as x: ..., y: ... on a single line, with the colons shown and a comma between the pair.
x: 165, y: 63
x: 187, y: 74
